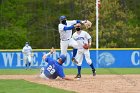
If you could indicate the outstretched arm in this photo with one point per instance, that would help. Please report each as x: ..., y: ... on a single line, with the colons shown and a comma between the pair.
x: 68, y: 27
x: 66, y: 78
x: 73, y: 24
x: 45, y: 55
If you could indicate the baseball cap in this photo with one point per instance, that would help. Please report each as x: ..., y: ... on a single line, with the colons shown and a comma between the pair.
x: 27, y: 43
x: 63, y: 58
x: 62, y: 17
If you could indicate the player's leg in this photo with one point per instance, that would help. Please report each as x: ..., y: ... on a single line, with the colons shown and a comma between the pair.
x: 89, y: 61
x: 74, y: 52
x: 79, y: 58
x: 64, y: 47
x: 25, y: 60
x: 30, y: 61
x: 42, y: 75
x: 74, y: 44
x: 73, y: 56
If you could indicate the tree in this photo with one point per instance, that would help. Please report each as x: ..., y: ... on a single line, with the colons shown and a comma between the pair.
x: 114, y: 27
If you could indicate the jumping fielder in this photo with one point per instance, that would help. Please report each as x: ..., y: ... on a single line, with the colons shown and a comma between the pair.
x: 54, y: 67
x: 27, y: 55
x: 84, y: 42
x: 65, y: 29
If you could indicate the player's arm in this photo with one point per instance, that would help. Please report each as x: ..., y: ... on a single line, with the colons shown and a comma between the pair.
x: 62, y: 75
x: 23, y: 51
x: 88, y: 38
x: 46, y: 55
x: 62, y: 27
x: 66, y: 78
x: 89, y: 42
x: 68, y: 27
x: 72, y: 24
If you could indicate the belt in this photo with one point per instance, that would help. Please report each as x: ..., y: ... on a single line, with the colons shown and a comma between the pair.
x: 65, y: 39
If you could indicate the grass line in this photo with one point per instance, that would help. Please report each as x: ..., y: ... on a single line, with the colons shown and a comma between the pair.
x: 67, y: 71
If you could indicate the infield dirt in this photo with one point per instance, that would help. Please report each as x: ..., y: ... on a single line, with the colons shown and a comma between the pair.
x: 88, y: 83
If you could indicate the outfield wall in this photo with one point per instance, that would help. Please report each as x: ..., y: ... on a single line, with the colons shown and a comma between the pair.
x: 102, y: 58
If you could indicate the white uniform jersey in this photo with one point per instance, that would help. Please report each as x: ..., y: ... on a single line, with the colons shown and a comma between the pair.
x: 81, y: 38
x: 65, y: 35
x: 27, y: 50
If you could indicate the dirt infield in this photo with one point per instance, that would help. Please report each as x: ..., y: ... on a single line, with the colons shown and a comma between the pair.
x: 88, y: 84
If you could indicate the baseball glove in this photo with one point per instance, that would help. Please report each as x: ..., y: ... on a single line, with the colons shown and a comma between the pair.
x: 86, y: 46
x: 87, y: 24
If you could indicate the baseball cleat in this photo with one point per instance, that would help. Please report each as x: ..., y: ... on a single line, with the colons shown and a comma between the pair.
x: 78, y: 76
x: 94, y: 72
x: 74, y: 60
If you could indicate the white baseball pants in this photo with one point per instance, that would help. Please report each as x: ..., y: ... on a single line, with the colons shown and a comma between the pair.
x: 80, y: 54
x: 27, y: 58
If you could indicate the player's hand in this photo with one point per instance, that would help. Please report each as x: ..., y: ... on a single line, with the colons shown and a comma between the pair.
x: 86, y: 46
x: 52, y: 50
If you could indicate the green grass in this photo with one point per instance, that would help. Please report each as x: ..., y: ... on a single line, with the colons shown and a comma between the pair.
x: 74, y: 71
x: 101, y: 71
x: 22, y: 86
x: 19, y: 71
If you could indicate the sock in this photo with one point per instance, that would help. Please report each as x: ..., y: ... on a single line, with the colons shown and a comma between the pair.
x: 74, y: 52
x: 29, y: 64
x: 92, y: 67
x: 79, y: 69
x: 26, y: 64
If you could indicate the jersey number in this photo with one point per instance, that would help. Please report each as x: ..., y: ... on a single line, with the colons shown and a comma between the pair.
x: 50, y: 69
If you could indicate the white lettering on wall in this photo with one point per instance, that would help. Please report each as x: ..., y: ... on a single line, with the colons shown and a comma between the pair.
x: 19, y: 60
x: 34, y: 60
x: 15, y: 59
x: 133, y: 58
x: 8, y: 58
x: 43, y: 63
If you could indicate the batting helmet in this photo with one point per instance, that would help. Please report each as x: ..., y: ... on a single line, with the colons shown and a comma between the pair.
x: 62, y: 18
x: 63, y: 58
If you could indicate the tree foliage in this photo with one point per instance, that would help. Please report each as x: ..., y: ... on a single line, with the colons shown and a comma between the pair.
x: 115, y: 27
x: 36, y: 21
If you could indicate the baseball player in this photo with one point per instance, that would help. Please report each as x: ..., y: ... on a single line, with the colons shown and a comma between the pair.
x: 65, y: 29
x: 84, y: 42
x: 27, y: 55
x: 54, y: 67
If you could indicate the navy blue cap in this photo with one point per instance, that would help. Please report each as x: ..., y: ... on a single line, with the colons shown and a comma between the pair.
x: 27, y: 43
x: 63, y: 58
x: 62, y: 17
